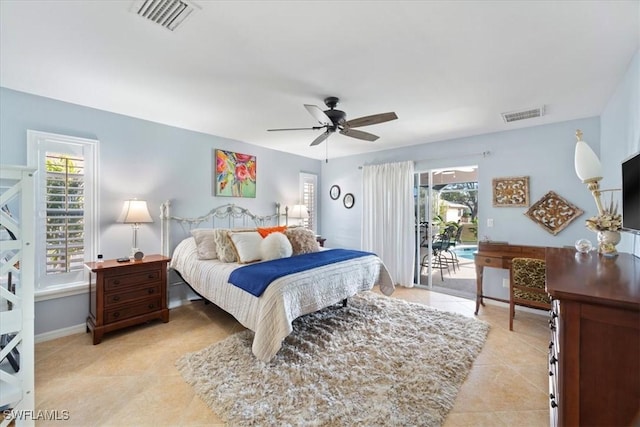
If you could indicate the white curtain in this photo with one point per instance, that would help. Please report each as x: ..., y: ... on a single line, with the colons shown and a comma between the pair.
x: 388, y: 218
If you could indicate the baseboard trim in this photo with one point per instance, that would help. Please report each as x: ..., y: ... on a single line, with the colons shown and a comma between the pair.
x: 59, y: 333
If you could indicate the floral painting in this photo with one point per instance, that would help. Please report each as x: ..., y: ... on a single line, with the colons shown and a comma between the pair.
x: 235, y: 174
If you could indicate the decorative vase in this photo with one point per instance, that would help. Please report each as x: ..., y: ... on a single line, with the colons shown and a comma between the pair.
x: 607, y: 241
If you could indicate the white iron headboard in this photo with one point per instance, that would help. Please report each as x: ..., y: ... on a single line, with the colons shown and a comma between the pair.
x: 236, y: 216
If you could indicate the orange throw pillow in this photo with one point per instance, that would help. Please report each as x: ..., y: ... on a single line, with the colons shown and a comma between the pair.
x: 265, y: 231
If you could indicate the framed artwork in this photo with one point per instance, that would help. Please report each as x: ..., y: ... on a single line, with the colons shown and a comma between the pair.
x: 235, y: 174
x: 553, y: 213
x: 348, y: 200
x: 511, y: 191
x: 334, y: 192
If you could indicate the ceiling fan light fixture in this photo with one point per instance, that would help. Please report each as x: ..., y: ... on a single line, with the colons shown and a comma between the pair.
x: 333, y: 120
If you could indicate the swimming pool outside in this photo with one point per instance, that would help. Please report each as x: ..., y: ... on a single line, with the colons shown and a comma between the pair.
x: 465, y: 251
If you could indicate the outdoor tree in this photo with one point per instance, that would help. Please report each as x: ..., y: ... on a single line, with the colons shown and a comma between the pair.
x: 465, y: 193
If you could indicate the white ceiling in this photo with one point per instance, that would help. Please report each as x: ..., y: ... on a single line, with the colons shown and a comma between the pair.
x: 236, y: 68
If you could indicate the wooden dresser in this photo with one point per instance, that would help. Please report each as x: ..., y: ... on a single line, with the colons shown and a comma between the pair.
x: 594, y: 353
x: 126, y: 294
x: 499, y: 255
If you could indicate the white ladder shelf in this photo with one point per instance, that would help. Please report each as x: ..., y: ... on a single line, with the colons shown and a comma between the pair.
x: 17, y: 255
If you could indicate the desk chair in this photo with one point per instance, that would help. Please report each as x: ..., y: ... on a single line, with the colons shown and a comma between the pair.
x: 527, y: 286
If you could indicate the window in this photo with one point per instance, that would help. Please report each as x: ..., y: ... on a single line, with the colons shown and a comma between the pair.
x: 308, y: 197
x: 66, y: 209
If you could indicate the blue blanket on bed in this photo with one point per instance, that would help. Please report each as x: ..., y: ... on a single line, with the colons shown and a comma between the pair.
x: 255, y: 278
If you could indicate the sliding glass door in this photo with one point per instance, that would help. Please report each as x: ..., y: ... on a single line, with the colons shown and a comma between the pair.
x: 446, y: 203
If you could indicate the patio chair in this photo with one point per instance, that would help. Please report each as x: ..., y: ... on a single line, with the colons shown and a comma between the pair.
x: 456, y: 238
x: 450, y: 256
x: 438, y: 246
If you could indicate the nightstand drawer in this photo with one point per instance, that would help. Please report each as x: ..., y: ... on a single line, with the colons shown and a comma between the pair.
x: 143, y: 307
x: 132, y: 295
x: 119, y: 282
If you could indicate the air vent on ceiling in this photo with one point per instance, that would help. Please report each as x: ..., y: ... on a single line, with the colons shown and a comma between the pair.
x: 523, y: 114
x: 166, y: 13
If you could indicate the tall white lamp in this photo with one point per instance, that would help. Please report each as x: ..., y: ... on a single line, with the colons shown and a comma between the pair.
x: 588, y: 169
x: 135, y: 212
x: 299, y: 212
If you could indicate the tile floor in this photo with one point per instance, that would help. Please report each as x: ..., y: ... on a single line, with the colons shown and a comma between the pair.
x: 130, y: 378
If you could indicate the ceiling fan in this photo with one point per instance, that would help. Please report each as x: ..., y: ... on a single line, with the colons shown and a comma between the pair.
x: 333, y: 120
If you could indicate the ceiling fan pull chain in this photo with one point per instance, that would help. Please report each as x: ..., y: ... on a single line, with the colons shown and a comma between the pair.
x: 326, y: 148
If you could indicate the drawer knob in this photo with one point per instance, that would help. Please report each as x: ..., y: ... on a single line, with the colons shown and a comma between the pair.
x: 116, y: 298
x: 151, y: 290
x: 487, y: 260
x: 116, y: 282
x: 151, y: 305
x: 116, y: 314
x: 151, y: 276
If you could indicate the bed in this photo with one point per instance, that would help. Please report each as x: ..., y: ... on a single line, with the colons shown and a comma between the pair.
x: 271, y: 314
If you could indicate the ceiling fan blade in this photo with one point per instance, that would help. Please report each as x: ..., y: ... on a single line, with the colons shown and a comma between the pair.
x: 371, y: 120
x: 321, y: 138
x: 359, y: 134
x: 312, y: 128
x: 319, y: 115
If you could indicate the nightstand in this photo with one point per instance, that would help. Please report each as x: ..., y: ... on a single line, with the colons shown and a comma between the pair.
x: 126, y: 293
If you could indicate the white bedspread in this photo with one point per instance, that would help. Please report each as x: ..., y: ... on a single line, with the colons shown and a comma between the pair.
x: 270, y: 316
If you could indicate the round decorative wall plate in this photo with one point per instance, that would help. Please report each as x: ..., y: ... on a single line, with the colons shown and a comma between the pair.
x: 348, y: 200
x: 334, y: 192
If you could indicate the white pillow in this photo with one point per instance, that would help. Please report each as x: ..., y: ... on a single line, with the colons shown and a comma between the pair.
x: 246, y: 245
x: 205, y: 243
x: 275, y: 246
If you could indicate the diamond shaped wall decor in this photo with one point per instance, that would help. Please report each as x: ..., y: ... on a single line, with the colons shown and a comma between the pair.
x: 553, y: 213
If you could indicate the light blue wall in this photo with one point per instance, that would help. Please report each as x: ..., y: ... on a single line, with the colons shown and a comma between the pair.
x: 140, y: 159
x: 544, y: 153
x: 620, y: 136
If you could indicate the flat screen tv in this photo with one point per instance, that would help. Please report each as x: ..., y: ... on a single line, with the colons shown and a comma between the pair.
x: 631, y: 194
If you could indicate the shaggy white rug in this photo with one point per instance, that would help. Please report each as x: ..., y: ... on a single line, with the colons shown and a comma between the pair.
x: 380, y: 361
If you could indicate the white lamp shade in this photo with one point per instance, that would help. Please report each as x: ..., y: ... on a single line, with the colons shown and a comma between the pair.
x: 135, y: 212
x: 586, y: 162
x: 299, y: 212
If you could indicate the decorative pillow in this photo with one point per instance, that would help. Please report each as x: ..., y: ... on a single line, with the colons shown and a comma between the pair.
x: 303, y: 240
x: 205, y: 243
x: 246, y: 245
x: 265, y: 231
x: 224, y: 247
x: 275, y: 246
